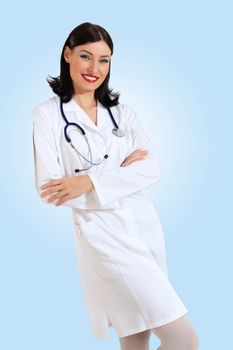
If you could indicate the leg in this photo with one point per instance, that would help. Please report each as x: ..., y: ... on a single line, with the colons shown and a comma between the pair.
x: 177, y: 335
x: 137, y: 341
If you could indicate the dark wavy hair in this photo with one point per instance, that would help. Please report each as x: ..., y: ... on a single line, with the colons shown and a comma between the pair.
x: 62, y: 85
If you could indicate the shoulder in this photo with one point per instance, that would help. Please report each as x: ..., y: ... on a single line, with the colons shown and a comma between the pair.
x: 44, y: 111
x: 126, y: 111
x: 124, y: 108
x: 47, y: 106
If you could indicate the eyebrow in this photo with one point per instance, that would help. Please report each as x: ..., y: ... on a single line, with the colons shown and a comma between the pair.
x: 92, y: 54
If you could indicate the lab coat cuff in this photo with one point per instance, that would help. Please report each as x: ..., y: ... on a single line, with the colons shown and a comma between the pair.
x: 97, y: 190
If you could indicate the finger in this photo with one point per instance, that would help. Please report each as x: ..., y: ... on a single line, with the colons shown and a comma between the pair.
x: 136, y: 160
x: 136, y: 157
x: 138, y: 153
x: 62, y: 200
x: 130, y: 161
x: 50, y: 183
x: 58, y: 195
x: 133, y: 156
x: 141, y: 150
x: 51, y: 190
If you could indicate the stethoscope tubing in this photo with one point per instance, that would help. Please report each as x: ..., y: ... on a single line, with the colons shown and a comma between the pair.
x: 116, y: 131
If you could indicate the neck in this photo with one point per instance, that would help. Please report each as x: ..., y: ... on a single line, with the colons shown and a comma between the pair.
x: 85, y: 100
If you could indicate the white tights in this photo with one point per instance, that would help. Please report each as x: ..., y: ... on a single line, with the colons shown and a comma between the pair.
x: 176, y: 335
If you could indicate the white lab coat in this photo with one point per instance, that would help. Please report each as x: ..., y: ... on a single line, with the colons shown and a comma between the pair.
x: 119, y: 239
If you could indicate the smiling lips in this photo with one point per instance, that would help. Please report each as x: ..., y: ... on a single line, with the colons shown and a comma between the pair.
x: 90, y: 78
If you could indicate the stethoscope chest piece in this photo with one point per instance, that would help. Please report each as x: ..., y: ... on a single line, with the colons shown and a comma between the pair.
x: 118, y: 132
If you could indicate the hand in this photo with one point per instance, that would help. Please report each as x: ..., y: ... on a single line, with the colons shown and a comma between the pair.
x: 138, y: 154
x: 66, y: 188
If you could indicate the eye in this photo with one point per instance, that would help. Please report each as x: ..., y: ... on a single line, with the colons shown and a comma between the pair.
x: 104, y: 61
x: 84, y: 56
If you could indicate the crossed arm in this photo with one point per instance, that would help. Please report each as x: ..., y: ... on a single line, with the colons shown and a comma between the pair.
x: 67, y: 188
x: 96, y: 190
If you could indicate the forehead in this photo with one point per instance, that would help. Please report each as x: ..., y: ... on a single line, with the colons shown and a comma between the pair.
x: 98, y: 48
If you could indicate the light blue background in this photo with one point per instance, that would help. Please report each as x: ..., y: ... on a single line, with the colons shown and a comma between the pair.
x: 172, y: 63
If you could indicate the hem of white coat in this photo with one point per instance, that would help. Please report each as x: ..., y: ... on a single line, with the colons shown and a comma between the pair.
x: 146, y: 327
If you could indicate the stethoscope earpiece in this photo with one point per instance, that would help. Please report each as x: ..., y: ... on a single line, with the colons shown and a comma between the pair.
x: 116, y: 131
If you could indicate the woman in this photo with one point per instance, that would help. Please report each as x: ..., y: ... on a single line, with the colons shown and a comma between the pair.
x: 92, y: 154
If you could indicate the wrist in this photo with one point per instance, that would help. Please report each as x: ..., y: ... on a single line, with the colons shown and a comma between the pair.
x: 90, y: 185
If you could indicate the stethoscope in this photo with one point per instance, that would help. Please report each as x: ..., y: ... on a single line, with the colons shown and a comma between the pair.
x: 116, y: 131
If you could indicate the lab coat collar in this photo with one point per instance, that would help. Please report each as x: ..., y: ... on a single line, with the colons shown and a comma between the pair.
x: 73, y: 106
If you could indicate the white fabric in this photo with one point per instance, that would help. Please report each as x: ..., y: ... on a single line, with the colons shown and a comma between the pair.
x: 119, y: 240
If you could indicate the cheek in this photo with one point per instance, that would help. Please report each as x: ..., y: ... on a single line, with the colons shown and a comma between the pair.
x: 104, y: 71
x: 76, y: 68
x: 74, y: 72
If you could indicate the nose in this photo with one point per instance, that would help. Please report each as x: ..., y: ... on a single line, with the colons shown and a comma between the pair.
x: 93, y: 67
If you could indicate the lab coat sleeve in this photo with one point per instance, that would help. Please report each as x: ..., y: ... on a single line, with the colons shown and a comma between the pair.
x: 112, y: 185
x: 46, y: 160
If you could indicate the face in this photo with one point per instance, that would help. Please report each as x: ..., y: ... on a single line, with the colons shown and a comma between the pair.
x: 89, y: 65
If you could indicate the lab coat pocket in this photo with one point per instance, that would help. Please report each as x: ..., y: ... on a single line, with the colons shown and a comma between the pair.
x: 88, y: 231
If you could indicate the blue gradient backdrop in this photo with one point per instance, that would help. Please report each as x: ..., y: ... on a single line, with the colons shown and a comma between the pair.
x: 173, y: 64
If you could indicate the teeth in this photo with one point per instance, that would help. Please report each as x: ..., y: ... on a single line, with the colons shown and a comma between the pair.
x: 90, y: 78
